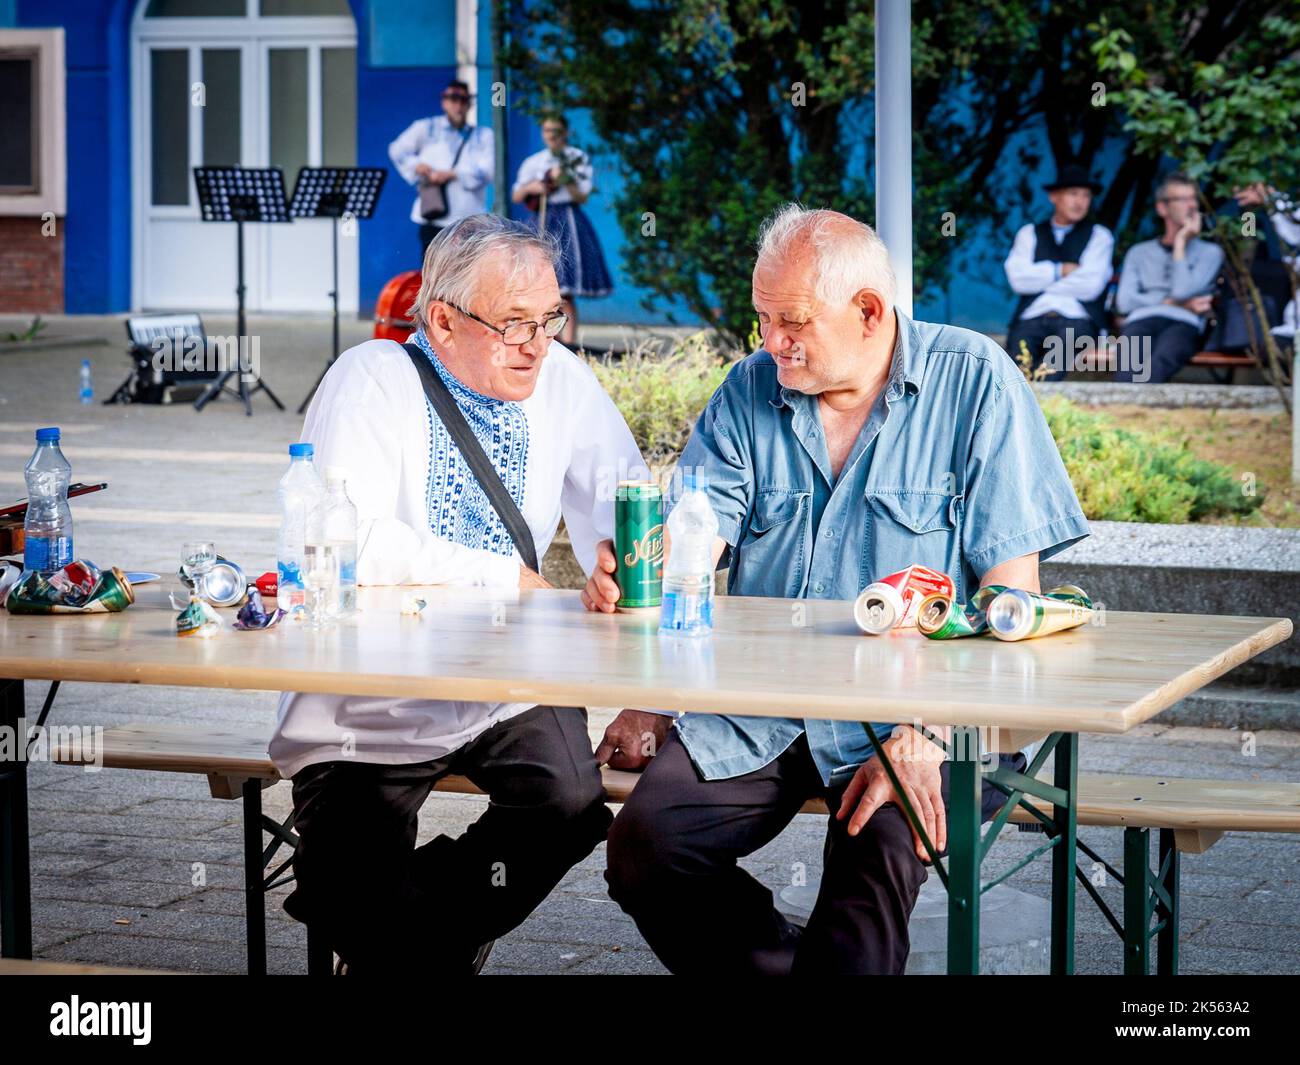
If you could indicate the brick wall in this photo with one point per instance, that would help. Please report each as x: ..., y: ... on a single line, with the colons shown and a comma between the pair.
x: 31, y: 267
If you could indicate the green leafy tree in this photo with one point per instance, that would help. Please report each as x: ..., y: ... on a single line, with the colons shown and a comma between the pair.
x: 717, y: 111
x: 1235, y: 123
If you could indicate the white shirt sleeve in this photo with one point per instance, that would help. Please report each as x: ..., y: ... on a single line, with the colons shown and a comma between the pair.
x: 1025, y: 275
x: 405, y: 151
x: 529, y: 170
x: 477, y: 163
x: 1286, y: 220
x: 603, y: 454
x: 353, y: 422
x: 1093, y: 274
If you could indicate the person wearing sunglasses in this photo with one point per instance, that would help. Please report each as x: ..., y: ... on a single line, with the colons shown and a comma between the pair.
x: 448, y: 152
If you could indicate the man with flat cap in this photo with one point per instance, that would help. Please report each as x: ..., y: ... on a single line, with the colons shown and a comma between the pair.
x: 1060, y: 269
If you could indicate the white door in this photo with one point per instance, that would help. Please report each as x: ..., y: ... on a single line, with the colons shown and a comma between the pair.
x: 275, y: 87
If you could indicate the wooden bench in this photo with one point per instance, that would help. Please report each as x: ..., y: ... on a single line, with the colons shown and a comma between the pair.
x: 1223, y: 365
x: 1190, y: 816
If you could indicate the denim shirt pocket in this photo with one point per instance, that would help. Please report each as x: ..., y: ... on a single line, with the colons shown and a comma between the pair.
x: 770, y: 554
x: 913, y: 525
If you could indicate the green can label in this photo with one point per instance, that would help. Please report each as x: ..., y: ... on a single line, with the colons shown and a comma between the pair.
x: 639, y: 544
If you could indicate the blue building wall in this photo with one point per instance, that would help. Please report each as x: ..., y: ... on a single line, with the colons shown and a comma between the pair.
x: 405, y: 55
x: 97, y: 234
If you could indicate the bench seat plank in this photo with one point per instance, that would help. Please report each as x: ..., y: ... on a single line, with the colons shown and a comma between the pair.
x: 1198, y: 810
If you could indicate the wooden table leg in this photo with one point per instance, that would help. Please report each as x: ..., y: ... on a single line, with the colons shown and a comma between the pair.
x: 15, y: 854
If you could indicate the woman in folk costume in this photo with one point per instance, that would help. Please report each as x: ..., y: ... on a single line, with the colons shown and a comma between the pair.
x: 554, y: 183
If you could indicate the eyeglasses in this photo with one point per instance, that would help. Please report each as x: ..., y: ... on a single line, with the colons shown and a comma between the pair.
x: 522, y: 332
x: 456, y: 97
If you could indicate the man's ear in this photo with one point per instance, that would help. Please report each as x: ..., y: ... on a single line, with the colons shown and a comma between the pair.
x: 872, y: 308
x: 439, y: 320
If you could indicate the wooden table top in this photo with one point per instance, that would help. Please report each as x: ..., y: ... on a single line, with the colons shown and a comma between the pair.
x: 768, y: 657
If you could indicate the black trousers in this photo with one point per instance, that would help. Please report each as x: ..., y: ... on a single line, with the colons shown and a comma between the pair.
x: 385, y: 905
x: 427, y: 232
x: 672, y: 867
x: 1035, y: 333
x: 1172, y: 344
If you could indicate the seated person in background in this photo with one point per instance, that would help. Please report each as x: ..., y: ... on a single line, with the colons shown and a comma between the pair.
x: 1060, y: 268
x: 1166, y: 287
x: 1283, y: 220
x: 1275, y: 229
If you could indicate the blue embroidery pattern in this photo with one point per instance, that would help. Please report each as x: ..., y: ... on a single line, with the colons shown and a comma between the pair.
x: 458, y: 508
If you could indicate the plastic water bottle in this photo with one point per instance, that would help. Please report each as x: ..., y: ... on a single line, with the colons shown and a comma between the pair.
x: 47, y: 528
x: 87, y: 388
x: 301, y: 493
x: 687, y: 608
x: 341, y: 536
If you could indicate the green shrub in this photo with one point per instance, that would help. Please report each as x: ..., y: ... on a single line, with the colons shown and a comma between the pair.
x: 1119, y: 474
x: 661, y: 396
x: 1122, y: 475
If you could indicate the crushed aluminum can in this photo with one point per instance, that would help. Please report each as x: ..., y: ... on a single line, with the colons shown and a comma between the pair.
x: 254, y: 615
x: 9, y: 576
x: 198, y: 619
x: 941, y: 617
x: 224, y: 584
x: 413, y: 604
x: 76, y: 581
x: 35, y: 594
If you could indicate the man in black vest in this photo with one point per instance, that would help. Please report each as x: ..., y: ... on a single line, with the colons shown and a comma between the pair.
x: 1060, y: 269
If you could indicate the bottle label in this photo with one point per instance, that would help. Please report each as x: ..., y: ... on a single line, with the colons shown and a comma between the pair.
x: 47, y: 553
x: 686, y: 611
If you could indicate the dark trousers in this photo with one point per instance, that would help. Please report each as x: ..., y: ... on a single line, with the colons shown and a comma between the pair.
x: 385, y: 905
x: 1172, y: 344
x: 672, y: 866
x: 427, y: 232
x: 1035, y: 333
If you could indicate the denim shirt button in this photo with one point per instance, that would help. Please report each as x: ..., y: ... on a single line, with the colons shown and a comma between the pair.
x: 820, y: 586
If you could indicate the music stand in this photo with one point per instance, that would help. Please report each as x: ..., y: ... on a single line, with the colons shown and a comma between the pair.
x: 331, y: 192
x: 240, y: 194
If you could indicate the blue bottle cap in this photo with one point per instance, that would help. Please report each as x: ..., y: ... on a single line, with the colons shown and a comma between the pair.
x: 298, y: 451
x: 45, y: 435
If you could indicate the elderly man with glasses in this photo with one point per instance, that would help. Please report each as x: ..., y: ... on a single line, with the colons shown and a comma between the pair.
x: 447, y: 150
x: 1166, y: 289
x: 362, y: 767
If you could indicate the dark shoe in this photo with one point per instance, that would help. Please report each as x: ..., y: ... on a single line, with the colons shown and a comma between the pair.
x: 480, y: 959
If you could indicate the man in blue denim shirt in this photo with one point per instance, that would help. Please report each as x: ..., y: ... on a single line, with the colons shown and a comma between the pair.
x: 854, y: 443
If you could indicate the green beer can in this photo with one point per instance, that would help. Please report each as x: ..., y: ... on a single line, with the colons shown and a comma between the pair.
x: 639, y: 543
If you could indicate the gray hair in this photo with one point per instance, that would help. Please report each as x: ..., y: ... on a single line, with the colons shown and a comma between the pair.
x: 848, y: 256
x: 455, y: 257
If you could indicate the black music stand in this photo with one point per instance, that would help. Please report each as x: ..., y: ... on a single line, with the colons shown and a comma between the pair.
x: 332, y: 192
x: 240, y: 194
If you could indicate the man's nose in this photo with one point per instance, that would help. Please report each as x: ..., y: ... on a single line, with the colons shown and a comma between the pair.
x: 538, y: 346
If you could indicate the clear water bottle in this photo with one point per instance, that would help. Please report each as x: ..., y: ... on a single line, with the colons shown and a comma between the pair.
x: 687, y: 608
x: 87, y: 388
x: 47, y: 528
x: 300, y: 494
x: 341, y: 536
